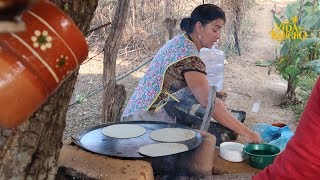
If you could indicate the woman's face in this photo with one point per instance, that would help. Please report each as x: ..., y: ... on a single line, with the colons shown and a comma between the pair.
x: 210, y: 33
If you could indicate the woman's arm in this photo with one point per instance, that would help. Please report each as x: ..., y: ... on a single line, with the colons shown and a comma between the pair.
x: 198, y: 84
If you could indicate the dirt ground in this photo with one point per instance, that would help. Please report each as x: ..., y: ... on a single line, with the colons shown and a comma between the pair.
x: 244, y: 82
x: 247, y: 84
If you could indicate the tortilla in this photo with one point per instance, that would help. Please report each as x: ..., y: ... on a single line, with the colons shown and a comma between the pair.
x: 162, y: 149
x: 123, y: 131
x: 172, y: 135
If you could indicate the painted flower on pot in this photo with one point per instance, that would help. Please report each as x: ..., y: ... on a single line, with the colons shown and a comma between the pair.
x: 41, y: 39
x: 62, y: 64
x: 61, y: 61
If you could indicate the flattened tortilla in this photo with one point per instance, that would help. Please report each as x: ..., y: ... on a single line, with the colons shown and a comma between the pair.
x: 123, y: 131
x: 172, y: 135
x: 162, y: 149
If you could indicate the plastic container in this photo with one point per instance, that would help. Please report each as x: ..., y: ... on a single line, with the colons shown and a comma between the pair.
x: 261, y: 155
x: 256, y: 106
x: 232, y: 151
x: 34, y: 62
x: 214, y: 61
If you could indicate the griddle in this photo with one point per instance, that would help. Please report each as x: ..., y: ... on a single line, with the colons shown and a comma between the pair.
x: 94, y: 141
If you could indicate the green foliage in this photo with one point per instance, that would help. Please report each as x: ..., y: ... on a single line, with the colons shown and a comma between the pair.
x: 276, y: 20
x: 264, y: 63
x: 311, y: 21
x: 299, y: 52
x: 66, y: 7
x: 291, y: 10
x: 308, y: 42
x: 305, y: 86
x: 313, y: 65
x: 80, y: 98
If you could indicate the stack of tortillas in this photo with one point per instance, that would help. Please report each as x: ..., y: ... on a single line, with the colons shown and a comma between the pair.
x: 169, y: 137
x: 123, y: 131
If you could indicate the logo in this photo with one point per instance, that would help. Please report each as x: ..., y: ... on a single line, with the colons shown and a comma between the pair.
x: 288, y: 30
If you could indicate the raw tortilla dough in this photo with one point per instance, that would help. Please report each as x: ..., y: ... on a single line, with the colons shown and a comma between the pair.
x: 123, y: 131
x: 172, y: 134
x: 162, y: 149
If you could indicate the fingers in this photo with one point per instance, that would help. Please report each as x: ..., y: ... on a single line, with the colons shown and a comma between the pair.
x: 253, y: 137
x: 257, y: 138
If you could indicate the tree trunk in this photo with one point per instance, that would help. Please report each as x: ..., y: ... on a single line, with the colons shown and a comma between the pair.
x: 235, y: 10
x: 290, y: 97
x: 143, y: 8
x: 114, y: 95
x: 237, y: 26
x: 133, y: 16
x: 31, y: 150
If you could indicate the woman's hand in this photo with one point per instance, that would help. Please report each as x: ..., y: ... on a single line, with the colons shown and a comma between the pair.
x: 252, y: 137
x: 198, y: 84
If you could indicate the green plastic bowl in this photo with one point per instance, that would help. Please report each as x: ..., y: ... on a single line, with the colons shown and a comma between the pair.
x: 261, y: 155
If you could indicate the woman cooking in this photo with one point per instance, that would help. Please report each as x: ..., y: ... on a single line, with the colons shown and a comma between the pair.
x: 177, y: 70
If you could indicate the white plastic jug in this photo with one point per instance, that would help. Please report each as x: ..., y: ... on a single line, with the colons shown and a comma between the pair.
x: 214, y: 60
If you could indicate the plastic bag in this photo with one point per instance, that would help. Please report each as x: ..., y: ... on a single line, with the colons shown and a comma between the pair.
x: 278, y: 136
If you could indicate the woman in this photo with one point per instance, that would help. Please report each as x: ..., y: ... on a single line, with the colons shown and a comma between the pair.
x: 177, y: 65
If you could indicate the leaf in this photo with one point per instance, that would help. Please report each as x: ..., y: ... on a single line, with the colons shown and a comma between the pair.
x: 313, y: 65
x: 80, y: 98
x: 293, y: 71
x: 316, y: 26
x: 308, y: 3
x: 284, y: 49
x: 66, y: 7
x: 281, y: 69
x: 285, y: 76
x: 307, y: 42
x: 296, y: 61
x: 277, y: 20
x: 264, y: 63
x: 290, y: 11
x: 295, y: 82
x: 310, y: 20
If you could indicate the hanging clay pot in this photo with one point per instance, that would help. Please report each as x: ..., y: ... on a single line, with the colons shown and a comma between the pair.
x: 33, y: 63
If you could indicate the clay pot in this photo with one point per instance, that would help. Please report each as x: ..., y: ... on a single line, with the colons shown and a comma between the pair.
x: 35, y: 62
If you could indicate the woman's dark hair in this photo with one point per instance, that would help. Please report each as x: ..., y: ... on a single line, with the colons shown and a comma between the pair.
x: 204, y: 13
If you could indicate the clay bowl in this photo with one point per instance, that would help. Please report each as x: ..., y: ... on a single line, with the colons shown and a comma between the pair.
x: 35, y: 62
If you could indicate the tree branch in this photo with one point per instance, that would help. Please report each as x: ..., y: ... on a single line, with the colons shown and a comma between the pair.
x: 97, y: 28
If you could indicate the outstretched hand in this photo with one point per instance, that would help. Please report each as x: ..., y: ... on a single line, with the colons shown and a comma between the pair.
x: 252, y: 137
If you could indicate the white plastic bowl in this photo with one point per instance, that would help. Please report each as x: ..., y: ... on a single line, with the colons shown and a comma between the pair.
x: 232, y: 151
